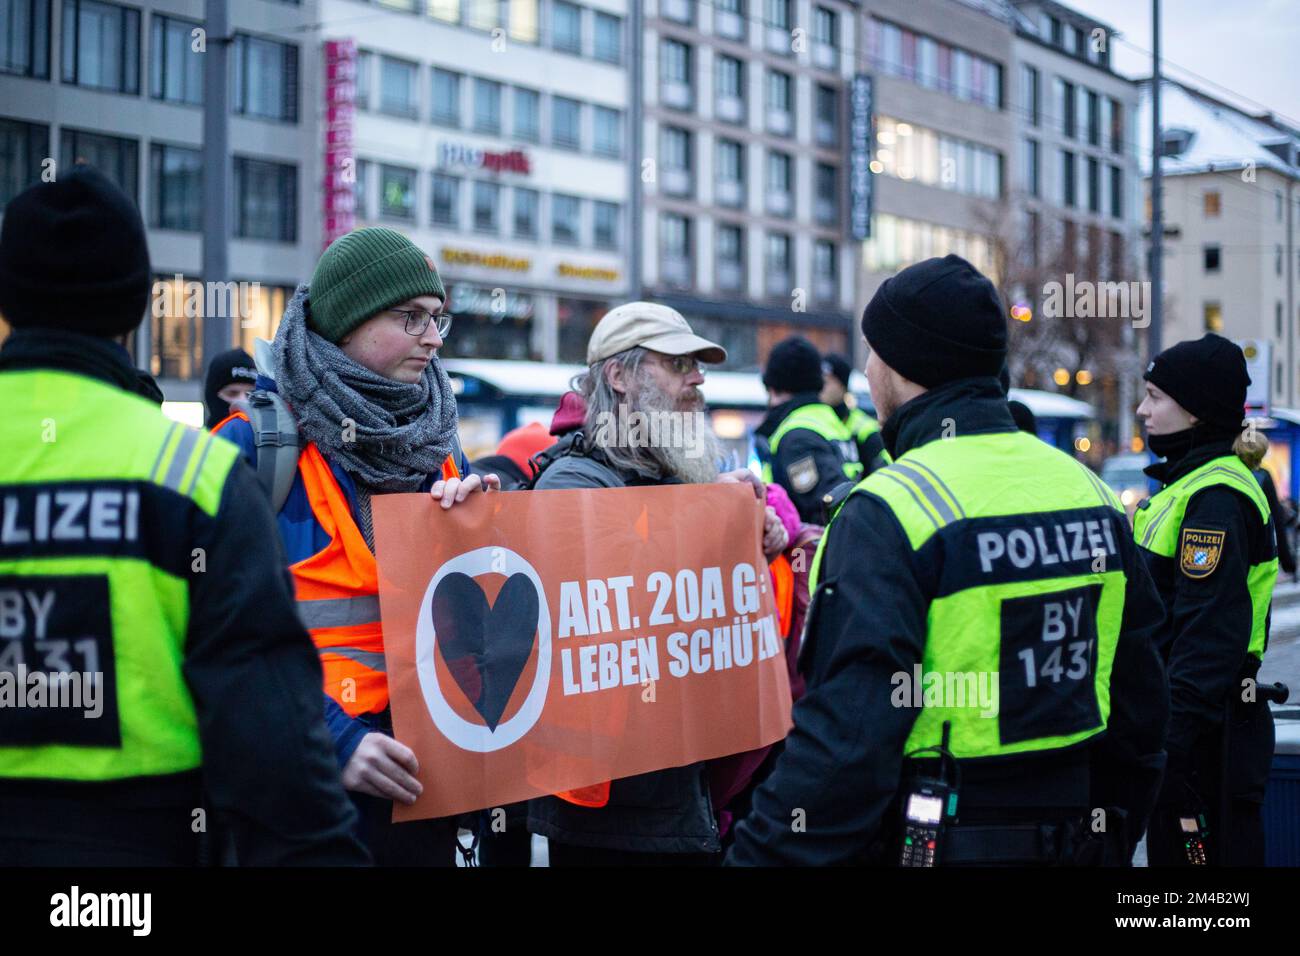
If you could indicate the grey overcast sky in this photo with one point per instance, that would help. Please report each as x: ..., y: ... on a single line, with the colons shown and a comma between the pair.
x: 1251, y: 47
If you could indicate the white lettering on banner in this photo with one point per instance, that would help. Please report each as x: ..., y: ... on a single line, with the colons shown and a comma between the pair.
x: 600, y: 606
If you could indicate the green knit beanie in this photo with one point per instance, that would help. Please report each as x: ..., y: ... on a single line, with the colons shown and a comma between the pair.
x: 364, y: 273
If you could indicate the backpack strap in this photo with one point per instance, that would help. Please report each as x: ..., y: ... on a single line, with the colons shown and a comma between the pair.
x: 275, y: 436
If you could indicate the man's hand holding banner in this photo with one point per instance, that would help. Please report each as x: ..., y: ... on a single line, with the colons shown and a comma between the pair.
x: 554, y: 640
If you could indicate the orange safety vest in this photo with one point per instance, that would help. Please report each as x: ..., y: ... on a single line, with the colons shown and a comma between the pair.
x: 597, y: 795
x: 337, y: 590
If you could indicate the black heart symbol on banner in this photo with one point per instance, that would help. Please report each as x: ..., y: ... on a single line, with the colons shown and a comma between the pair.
x: 486, y: 647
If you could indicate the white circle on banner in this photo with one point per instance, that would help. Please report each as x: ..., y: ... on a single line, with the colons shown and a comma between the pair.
x: 480, y: 738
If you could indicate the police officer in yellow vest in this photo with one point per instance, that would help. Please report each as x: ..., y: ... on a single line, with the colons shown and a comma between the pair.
x: 980, y: 617
x: 155, y: 684
x: 864, y: 429
x: 803, y: 445
x: 1209, y: 543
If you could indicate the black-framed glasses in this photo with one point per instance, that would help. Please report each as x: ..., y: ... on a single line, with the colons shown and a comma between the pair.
x: 417, y: 321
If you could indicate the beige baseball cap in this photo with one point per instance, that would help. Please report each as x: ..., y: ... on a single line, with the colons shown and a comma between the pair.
x: 650, y: 326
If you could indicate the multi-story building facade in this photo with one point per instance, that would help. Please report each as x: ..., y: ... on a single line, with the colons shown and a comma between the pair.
x: 120, y: 86
x: 1231, y: 226
x: 495, y: 135
x: 943, y: 124
x: 745, y: 225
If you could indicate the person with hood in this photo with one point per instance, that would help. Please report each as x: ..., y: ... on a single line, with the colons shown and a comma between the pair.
x: 864, y: 429
x: 231, y: 376
x: 355, y: 358
x: 803, y: 445
x: 967, y: 556
x: 1207, y: 537
x: 147, y: 575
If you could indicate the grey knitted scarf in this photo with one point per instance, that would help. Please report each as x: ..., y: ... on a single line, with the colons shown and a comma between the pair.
x: 386, y: 434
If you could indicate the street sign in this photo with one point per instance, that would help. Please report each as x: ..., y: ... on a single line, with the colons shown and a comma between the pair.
x: 1259, y: 366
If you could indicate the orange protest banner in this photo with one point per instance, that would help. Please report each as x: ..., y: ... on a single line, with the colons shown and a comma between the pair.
x: 555, y: 640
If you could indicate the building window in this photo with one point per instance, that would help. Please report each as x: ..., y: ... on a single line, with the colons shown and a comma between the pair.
x: 1064, y: 106
x: 1277, y: 320
x: 897, y: 242
x: 175, y: 70
x: 487, y: 106
x: 117, y: 158
x: 729, y: 87
x: 605, y: 226
x: 397, y: 192
x: 675, y: 161
x: 25, y: 40
x: 445, y: 105
x: 265, y: 78
x: 527, y: 213
x: 827, y: 210
x: 527, y: 123
x: 675, y: 86
x: 777, y: 14
x: 176, y: 188
x: 444, y: 206
x: 566, y: 27
x: 780, y: 184
x: 729, y: 189
x: 101, y: 46
x: 566, y: 213
x: 1277, y: 260
x: 23, y: 147
x: 827, y: 101
x: 266, y: 200
x: 1031, y: 167
x: 397, y: 87
x: 730, y: 255
x: 1029, y: 93
x: 1067, y: 178
x: 1210, y: 203
x: 365, y: 81
x: 607, y: 131
x: 1116, y: 126
x: 683, y: 11
x: 482, y: 14
x: 780, y: 102
x: 522, y: 16
x: 566, y: 123
x: 361, y: 188
x: 936, y: 159
x: 1094, y: 185
x: 1211, y: 256
x: 779, y: 278
x: 1116, y: 192
x: 447, y: 11
x: 608, y: 37
x: 824, y: 271
x: 729, y: 18
x: 933, y: 64
x: 1094, y: 117
x: 487, y: 205
x: 675, y: 250
x: 826, y: 39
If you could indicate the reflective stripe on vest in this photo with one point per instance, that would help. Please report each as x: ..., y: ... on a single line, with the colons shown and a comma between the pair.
x: 337, y: 591
x: 1158, y: 527
x: 123, y: 464
x: 821, y: 419
x: 1026, y: 533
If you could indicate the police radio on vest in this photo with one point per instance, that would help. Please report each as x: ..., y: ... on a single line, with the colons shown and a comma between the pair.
x: 99, y: 514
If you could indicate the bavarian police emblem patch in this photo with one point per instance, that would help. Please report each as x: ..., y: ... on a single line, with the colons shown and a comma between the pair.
x: 803, y: 474
x: 1199, y: 551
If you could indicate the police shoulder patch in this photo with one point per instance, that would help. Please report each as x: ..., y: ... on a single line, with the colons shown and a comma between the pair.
x: 1199, y: 550
x: 803, y: 474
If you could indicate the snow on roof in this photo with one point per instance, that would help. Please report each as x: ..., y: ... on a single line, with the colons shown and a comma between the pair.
x: 1224, y: 137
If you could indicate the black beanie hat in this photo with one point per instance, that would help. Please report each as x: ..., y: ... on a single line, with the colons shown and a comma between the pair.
x: 938, y: 321
x: 73, y: 256
x: 837, y: 365
x: 794, y: 365
x: 1207, y: 377
x: 227, y: 368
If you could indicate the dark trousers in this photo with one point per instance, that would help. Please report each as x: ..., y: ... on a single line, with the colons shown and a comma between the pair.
x: 416, y: 843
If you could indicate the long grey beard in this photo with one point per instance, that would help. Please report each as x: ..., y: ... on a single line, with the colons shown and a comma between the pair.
x: 695, y: 462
